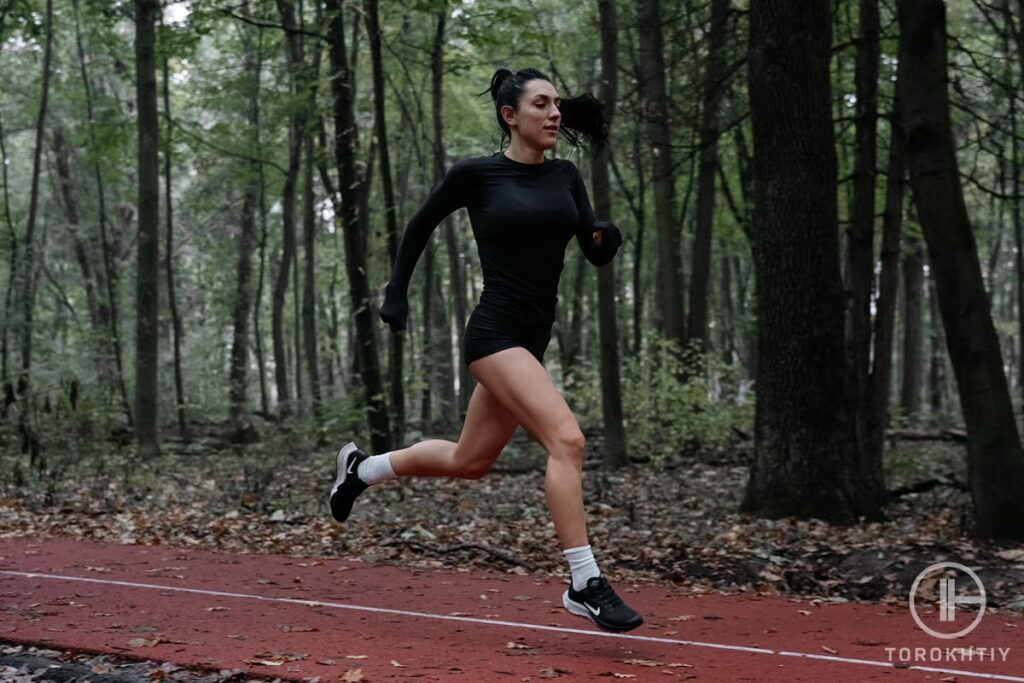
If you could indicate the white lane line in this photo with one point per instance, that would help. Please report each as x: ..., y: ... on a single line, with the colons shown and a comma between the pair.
x: 513, y: 624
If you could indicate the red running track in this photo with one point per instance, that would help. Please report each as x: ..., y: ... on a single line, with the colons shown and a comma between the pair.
x: 299, y: 618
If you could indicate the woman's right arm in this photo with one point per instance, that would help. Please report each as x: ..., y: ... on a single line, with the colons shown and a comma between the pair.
x: 450, y: 194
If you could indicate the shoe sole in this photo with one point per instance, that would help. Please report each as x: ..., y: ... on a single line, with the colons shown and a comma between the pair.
x: 342, y: 473
x: 575, y: 608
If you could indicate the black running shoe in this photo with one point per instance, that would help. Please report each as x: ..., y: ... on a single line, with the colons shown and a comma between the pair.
x: 599, y: 603
x: 348, y: 485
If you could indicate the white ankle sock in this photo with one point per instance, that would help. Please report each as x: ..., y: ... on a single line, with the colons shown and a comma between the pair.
x: 582, y: 565
x: 376, y: 468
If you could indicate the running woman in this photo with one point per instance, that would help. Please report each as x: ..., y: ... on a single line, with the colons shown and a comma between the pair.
x: 524, y: 209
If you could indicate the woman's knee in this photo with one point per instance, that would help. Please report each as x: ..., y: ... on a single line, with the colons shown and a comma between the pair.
x: 568, y: 442
x: 475, y: 470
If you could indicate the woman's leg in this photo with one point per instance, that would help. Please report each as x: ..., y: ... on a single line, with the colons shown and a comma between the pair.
x: 522, y: 385
x: 485, y: 433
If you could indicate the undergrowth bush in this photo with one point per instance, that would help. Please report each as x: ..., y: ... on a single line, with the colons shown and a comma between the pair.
x: 696, y: 404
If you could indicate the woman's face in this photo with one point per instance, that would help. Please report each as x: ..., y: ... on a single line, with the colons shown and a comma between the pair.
x: 538, y: 119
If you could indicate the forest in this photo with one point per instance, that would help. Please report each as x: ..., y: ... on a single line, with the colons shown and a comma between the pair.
x: 809, y: 348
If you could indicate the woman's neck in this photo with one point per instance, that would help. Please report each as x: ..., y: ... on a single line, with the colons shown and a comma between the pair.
x: 524, y: 154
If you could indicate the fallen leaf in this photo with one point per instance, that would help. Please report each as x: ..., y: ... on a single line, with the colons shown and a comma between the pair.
x: 143, y: 642
x: 641, y: 662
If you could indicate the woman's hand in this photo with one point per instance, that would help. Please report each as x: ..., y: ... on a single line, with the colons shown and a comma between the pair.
x: 395, y: 309
x: 606, y: 231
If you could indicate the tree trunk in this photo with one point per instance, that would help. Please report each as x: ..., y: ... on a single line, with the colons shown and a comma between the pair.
x: 239, y: 364
x: 72, y: 223
x: 1015, y: 162
x: 29, y: 269
x: 729, y: 317
x: 455, y: 404
x: 353, y: 224
x: 700, y: 272
x: 300, y: 406
x: 804, y: 461
x: 913, y: 347
x: 860, y: 253
x: 669, y: 290
x: 615, y: 452
x: 262, y: 184
x: 172, y: 298
x: 10, y: 305
x: 639, y: 215
x: 295, y: 131
x: 995, y: 462
x: 147, y: 290
x: 111, y: 310
x: 309, y: 225
x: 888, y: 284
x: 390, y: 209
x: 937, y: 357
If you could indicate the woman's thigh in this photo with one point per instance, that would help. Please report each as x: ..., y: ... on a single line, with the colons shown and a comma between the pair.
x: 485, y: 433
x: 523, y: 386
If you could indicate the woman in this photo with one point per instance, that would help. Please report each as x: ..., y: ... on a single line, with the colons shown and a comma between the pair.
x: 524, y: 208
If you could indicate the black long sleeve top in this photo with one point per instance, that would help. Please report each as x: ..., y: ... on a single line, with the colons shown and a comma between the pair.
x: 523, y: 216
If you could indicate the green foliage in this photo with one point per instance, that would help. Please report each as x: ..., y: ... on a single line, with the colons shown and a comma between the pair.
x: 697, y: 404
x: 343, y: 419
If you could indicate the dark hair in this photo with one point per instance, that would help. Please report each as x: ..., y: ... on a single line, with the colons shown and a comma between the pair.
x: 582, y: 116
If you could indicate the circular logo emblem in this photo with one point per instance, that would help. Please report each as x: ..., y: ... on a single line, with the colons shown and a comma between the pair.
x: 948, y: 598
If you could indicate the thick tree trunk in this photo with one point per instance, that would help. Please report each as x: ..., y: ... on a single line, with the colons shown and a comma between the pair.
x: 172, y: 298
x: 615, y: 453
x: 353, y: 224
x: 860, y: 252
x: 147, y: 330
x: 995, y: 462
x: 700, y: 271
x: 669, y: 290
x: 804, y: 451
x: 390, y: 209
x: 1015, y: 163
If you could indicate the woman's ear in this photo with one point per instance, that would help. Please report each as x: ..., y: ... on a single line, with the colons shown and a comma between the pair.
x: 508, y: 116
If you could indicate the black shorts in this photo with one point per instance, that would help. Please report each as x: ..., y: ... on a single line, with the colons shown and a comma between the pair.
x: 489, y: 331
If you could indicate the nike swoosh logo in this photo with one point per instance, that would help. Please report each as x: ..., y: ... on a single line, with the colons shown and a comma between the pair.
x: 593, y: 611
x: 351, y: 466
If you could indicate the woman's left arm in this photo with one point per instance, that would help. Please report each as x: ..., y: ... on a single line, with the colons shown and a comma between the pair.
x: 600, y: 240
